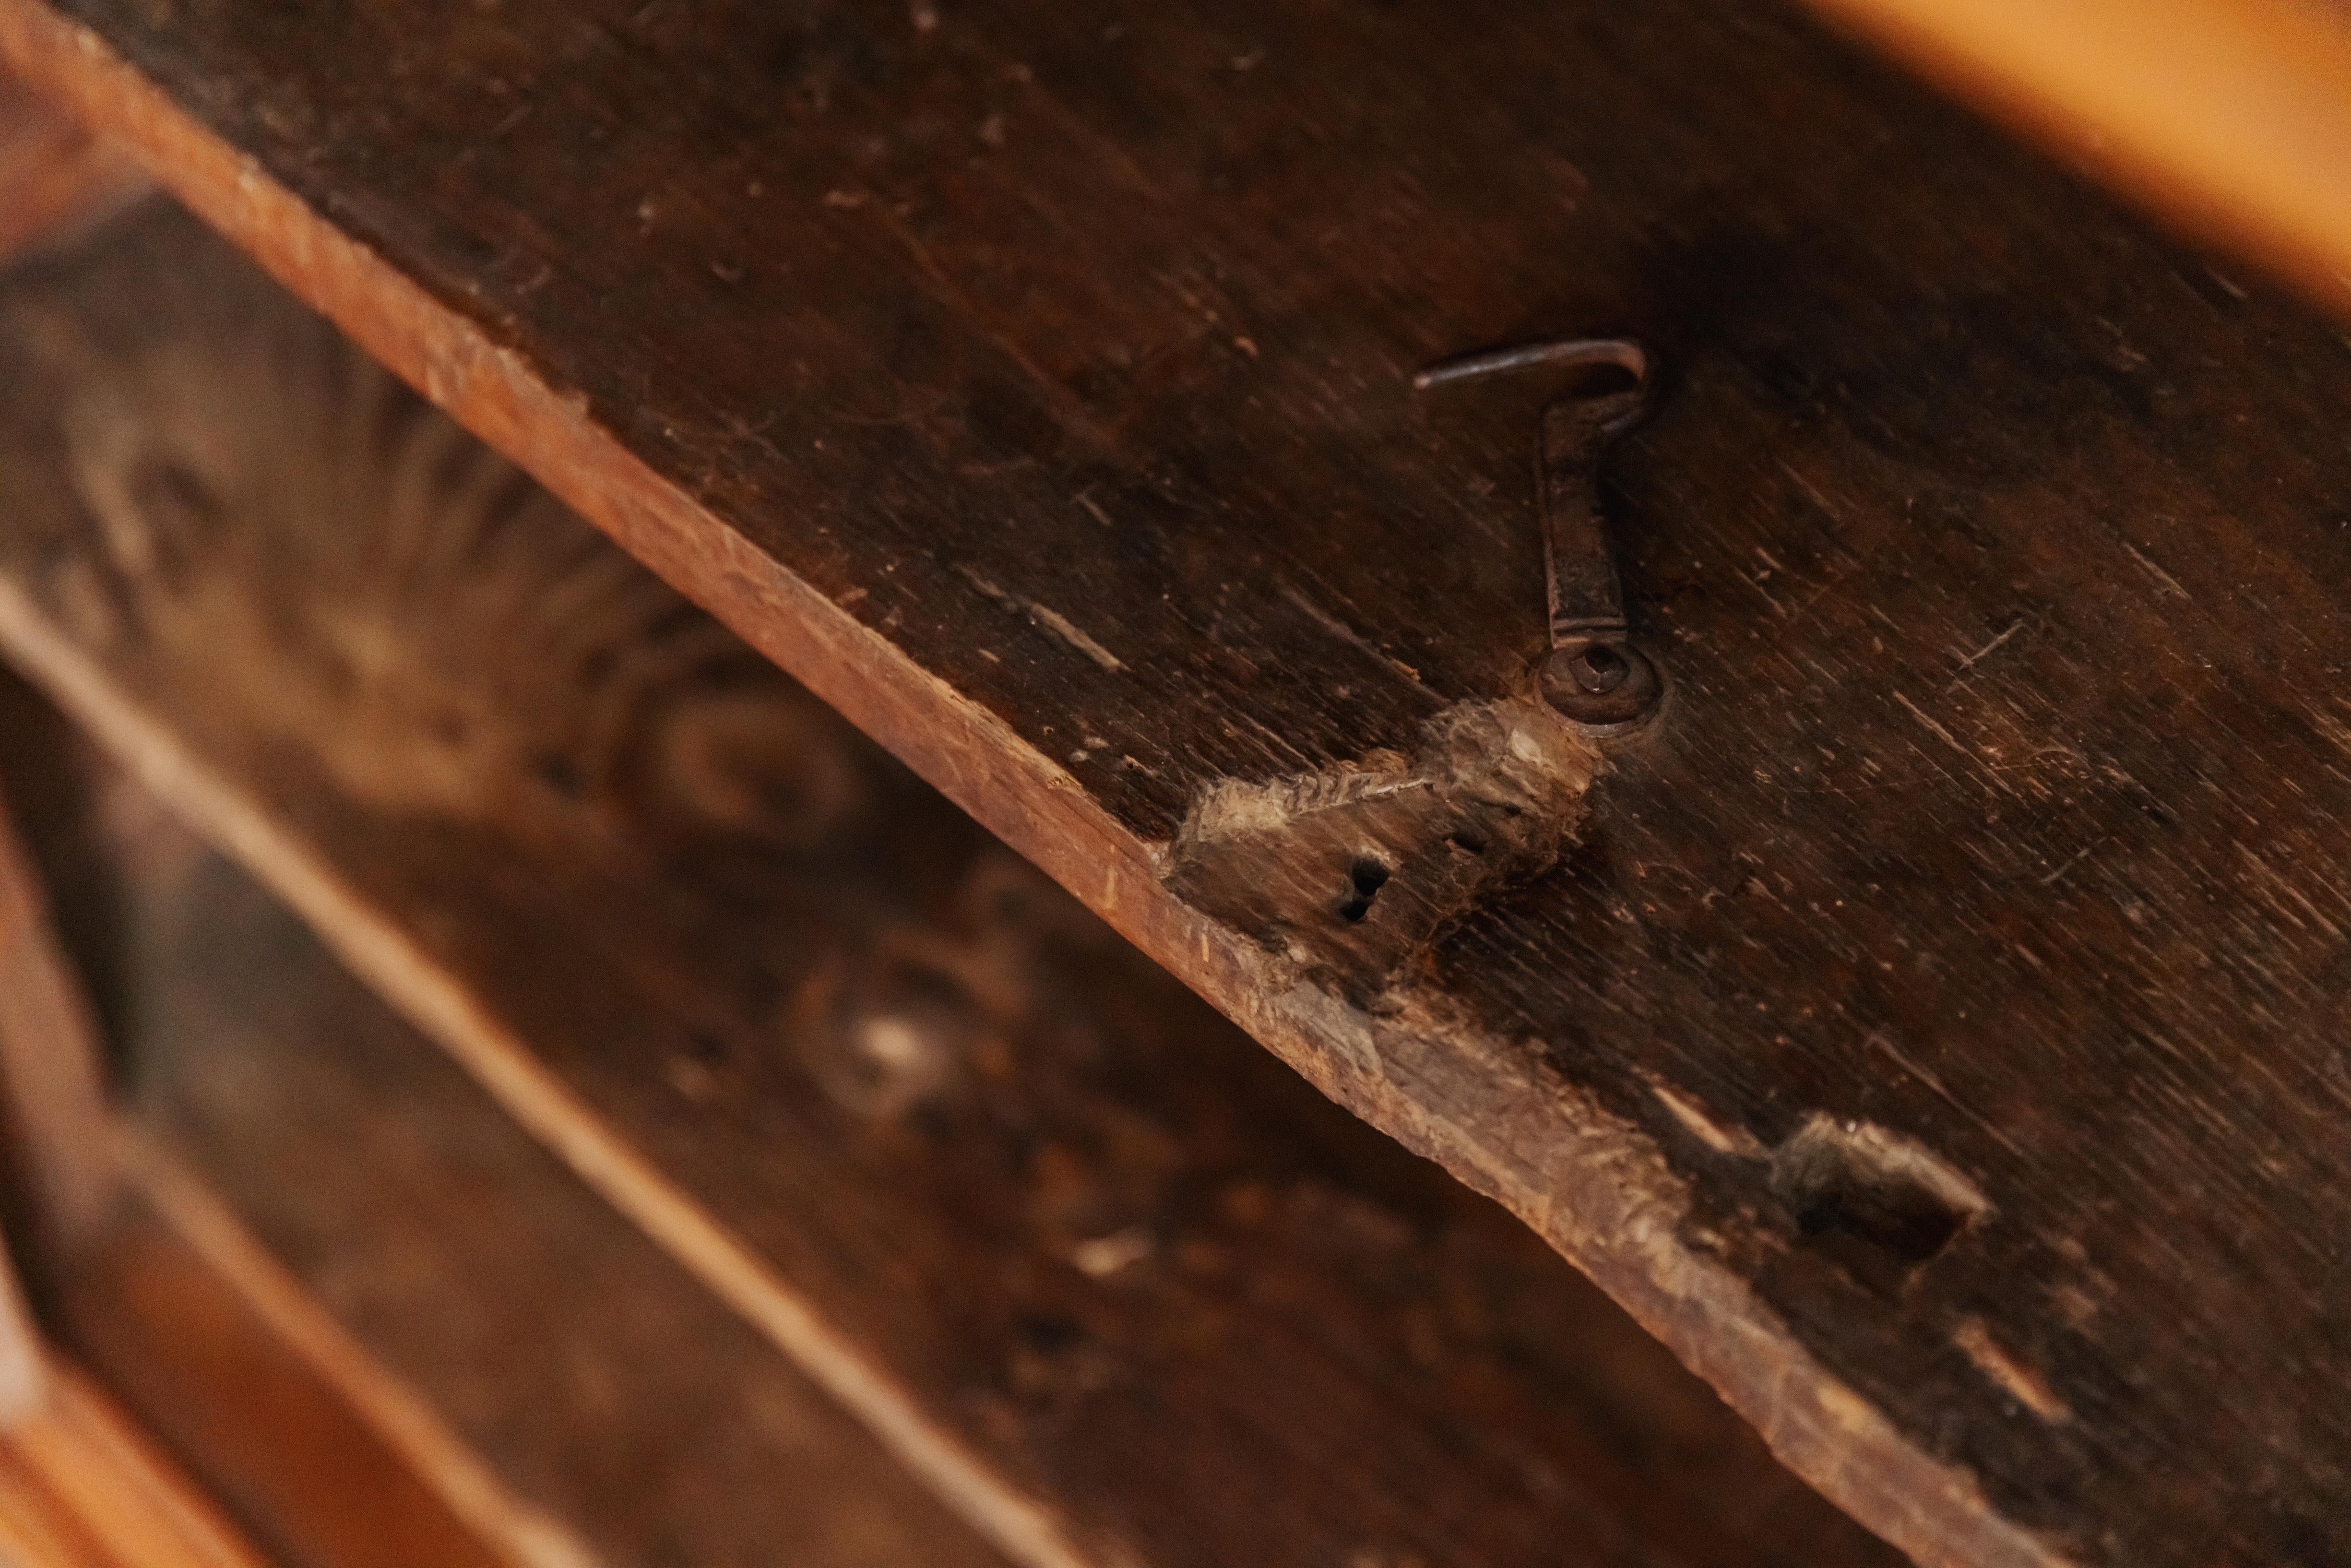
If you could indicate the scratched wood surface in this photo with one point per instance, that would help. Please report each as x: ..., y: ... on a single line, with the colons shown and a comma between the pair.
x: 1120, y: 1285
x: 1931, y: 1028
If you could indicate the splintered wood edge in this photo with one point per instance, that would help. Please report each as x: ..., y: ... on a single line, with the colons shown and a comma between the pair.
x: 2230, y: 118
x: 1596, y: 1189
x: 81, y: 1487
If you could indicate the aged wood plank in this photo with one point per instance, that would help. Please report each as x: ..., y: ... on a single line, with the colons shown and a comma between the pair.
x: 393, y: 1327
x: 1082, y: 1255
x: 1930, y: 1029
x: 2231, y: 116
x: 624, y: 1416
x: 243, y: 1375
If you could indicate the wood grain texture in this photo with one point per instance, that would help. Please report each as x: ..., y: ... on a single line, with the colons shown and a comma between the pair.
x: 2232, y: 117
x: 1076, y: 1249
x: 1934, y: 1034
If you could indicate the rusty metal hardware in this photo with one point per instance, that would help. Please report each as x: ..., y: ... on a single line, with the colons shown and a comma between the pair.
x: 1593, y: 675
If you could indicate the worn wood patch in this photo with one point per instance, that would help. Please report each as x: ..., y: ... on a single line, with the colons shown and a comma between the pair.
x: 1110, y: 1278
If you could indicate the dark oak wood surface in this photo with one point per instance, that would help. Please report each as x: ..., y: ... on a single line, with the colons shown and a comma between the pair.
x: 324, y: 1241
x: 1933, y: 1029
x: 1120, y: 1283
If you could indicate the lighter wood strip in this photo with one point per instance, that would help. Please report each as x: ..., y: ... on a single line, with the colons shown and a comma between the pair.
x: 22, y: 1382
x: 51, y: 1079
x: 81, y: 1488
x: 2230, y: 116
x: 523, y: 1535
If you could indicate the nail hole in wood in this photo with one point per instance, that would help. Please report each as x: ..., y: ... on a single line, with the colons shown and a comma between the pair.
x: 1908, y: 1222
x: 1879, y: 1204
x: 1468, y: 842
x: 1365, y: 877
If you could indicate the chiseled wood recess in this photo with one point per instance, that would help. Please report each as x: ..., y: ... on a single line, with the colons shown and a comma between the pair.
x: 1109, y: 1278
x: 1932, y: 1029
x: 2230, y: 116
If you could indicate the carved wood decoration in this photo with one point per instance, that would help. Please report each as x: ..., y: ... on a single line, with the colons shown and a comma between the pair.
x: 1932, y: 1027
x: 1119, y: 1284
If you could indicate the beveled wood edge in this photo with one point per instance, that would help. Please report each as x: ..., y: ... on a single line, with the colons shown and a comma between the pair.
x: 2229, y: 119
x: 1595, y: 1187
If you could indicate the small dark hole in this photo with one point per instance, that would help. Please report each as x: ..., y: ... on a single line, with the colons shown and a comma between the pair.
x: 1873, y: 1207
x: 1601, y: 670
x: 1907, y: 1223
x: 1468, y: 842
x: 1049, y: 1333
x: 1364, y: 880
x: 560, y: 774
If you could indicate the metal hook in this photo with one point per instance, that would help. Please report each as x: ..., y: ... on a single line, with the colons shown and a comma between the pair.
x: 1593, y: 676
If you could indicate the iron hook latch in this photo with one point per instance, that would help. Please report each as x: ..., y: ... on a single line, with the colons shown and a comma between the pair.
x: 1593, y: 676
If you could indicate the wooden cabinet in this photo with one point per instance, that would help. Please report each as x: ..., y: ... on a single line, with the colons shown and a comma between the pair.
x: 1036, y: 612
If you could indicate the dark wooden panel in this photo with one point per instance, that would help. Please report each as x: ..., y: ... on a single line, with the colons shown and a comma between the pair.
x: 326, y: 1239
x: 1116, y: 1278
x: 1933, y: 1028
x: 602, y: 1384
x: 259, y: 1427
